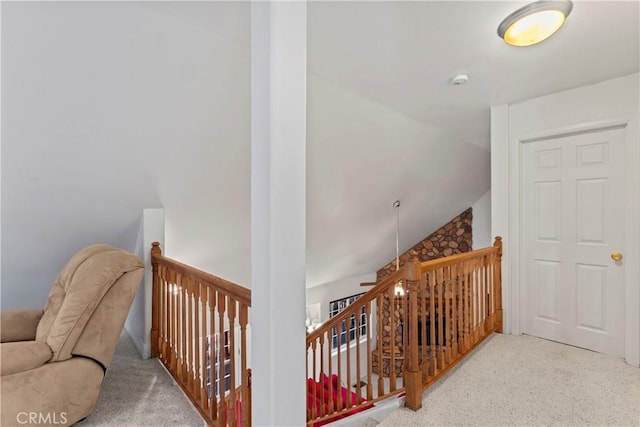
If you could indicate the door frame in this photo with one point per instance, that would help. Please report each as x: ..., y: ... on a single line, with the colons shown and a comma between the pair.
x: 519, y: 223
x: 506, y: 146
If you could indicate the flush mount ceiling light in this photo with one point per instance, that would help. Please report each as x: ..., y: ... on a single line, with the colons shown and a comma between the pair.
x: 534, y: 22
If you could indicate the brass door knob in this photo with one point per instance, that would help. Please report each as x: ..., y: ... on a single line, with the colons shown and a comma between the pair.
x: 616, y: 256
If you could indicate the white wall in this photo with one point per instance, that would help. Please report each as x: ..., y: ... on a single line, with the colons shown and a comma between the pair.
x: 112, y: 107
x: 138, y: 322
x: 482, y: 222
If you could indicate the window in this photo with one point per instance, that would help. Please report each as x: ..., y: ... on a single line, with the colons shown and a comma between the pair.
x: 213, y: 357
x: 336, y: 307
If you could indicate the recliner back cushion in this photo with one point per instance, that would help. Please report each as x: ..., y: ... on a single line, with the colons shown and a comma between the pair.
x: 77, y: 292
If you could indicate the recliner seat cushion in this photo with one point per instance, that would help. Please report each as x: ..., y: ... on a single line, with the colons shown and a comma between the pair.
x: 22, y: 355
x: 64, y: 391
x: 78, y: 290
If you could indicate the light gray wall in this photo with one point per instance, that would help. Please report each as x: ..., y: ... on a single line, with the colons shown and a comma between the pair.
x: 112, y: 107
x: 482, y: 222
x: 362, y: 156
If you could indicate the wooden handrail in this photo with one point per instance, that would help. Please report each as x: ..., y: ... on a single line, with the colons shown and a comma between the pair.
x: 369, y: 296
x: 199, y: 333
x: 446, y: 308
x: 368, y: 283
x: 238, y: 292
x: 434, y: 264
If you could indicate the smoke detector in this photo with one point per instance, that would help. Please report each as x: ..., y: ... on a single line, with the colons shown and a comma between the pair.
x: 460, y: 79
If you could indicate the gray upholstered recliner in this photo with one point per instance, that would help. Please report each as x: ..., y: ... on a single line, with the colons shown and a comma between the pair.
x: 53, y: 360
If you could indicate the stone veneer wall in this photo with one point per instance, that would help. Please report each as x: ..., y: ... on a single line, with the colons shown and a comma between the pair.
x: 452, y: 238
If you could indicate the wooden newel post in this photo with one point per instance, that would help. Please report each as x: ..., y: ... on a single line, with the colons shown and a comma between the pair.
x: 412, y: 375
x: 498, y: 282
x: 155, y: 299
x: 248, y: 421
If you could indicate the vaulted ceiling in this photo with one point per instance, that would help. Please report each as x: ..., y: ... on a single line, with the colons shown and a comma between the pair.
x: 385, y: 122
x: 111, y: 107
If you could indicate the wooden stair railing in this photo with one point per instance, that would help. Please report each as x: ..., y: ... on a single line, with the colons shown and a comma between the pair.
x: 199, y: 333
x: 457, y: 301
x: 449, y: 306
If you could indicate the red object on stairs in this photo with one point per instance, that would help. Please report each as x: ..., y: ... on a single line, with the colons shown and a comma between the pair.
x: 324, y: 397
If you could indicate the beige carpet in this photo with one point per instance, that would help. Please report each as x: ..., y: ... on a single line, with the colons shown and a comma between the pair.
x: 526, y: 381
x: 138, y: 392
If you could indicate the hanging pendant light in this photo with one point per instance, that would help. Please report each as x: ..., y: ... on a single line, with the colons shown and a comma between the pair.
x: 534, y: 22
x: 399, y: 289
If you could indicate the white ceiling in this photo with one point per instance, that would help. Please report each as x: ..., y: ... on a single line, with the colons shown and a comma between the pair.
x: 386, y: 124
x: 403, y: 54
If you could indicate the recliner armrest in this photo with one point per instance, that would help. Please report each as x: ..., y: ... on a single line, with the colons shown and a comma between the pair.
x: 19, y: 325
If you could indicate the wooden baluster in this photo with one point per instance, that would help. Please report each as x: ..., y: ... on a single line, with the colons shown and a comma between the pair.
x: 492, y: 291
x: 424, y: 310
x: 446, y: 284
x: 244, y: 319
x: 321, y: 343
x: 167, y: 316
x: 498, y: 283
x: 162, y: 315
x: 479, y: 326
x: 461, y: 341
x: 474, y: 294
x: 169, y: 282
x: 441, y: 319
x: 357, y: 336
x: 477, y: 299
x: 177, y: 289
x: 412, y: 377
x: 248, y: 422
x: 155, y: 299
x: 321, y: 351
x: 467, y: 307
x: 392, y: 336
x: 190, y: 339
x: 172, y: 321
x: 306, y: 371
x: 339, y: 346
x: 481, y: 298
x: 471, y: 301
x: 314, y: 409
x: 231, y: 315
x: 485, y: 295
x: 369, y: 354
x: 214, y: 357
x: 166, y: 348
x: 492, y: 298
x: 348, y: 320
x: 379, y: 342
x: 432, y: 321
x: 204, y: 347
x: 454, y: 310
x: 221, y: 358
x: 183, y: 333
x: 197, y: 379
x: 332, y: 404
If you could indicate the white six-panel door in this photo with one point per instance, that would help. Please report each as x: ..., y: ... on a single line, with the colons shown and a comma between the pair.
x: 573, y: 219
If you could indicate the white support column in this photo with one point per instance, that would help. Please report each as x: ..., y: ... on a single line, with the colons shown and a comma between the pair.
x: 278, y: 171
